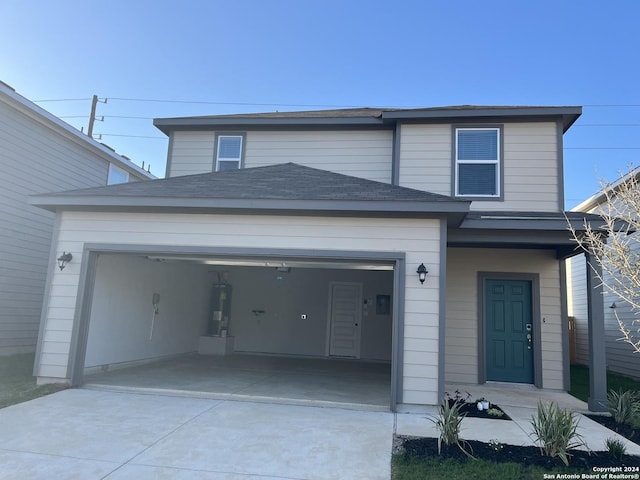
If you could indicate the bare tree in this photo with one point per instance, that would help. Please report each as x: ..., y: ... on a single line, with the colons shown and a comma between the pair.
x: 613, y: 246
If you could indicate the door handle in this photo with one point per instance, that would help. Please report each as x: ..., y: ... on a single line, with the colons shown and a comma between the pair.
x: 529, y: 341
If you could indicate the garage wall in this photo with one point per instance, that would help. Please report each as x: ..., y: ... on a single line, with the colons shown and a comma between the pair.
x: 419, y: 239
x: 285, y: 296
x: 121, y: 313
x: 461, y: 351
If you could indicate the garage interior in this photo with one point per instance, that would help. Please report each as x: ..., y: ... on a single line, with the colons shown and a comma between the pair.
x: 289, y: 330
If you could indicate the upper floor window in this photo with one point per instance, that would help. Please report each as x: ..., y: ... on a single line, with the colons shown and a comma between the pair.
x: 477, y: 162
x: 117, y: 175
x: 229, y: 152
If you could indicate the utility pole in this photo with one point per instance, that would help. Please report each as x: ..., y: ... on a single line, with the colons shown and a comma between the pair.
x: 92, y: 116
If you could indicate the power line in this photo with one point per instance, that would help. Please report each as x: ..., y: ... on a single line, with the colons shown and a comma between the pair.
x: 130, y: 136
x: 62, y: 100
x: 204, y: 102
x: 610, y: 105
x: 607, y: 125
x: 201, y: 102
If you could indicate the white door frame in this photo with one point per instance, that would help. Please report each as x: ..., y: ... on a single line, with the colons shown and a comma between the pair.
x: 330, y: 317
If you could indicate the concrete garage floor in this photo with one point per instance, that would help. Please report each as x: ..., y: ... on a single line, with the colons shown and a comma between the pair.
x: 258, y: 378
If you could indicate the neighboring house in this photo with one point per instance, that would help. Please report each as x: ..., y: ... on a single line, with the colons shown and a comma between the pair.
x: 620, y: 356
x: 39, y: 153
x: 320, y: 222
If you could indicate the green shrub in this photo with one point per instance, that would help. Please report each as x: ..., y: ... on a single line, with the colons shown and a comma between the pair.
x: 616, y: 448
x: 624, y: 406
x: 556, y: 430
x: 448, y: 423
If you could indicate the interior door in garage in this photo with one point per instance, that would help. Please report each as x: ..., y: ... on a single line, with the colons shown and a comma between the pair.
x: 346, y: 319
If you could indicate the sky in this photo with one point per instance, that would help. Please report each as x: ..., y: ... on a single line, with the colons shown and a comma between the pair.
x: 160, y: 58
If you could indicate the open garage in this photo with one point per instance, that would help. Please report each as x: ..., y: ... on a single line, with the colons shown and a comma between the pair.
x: 301, y: 330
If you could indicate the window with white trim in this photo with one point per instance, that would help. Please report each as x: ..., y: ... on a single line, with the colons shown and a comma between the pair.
x: 117, y: 175
x: 229, y: 152
x: 477, y: 162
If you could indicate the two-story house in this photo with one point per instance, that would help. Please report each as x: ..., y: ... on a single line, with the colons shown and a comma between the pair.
x: 39, y: 153
x: 426, y: 243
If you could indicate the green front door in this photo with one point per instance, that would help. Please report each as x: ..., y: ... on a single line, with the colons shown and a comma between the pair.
x: 509, y: 331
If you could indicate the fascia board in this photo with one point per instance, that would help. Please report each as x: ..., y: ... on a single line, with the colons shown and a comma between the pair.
x: 547, y: 224
x: 569, y: 114
x: 53, y: 203
x: 166, y: 125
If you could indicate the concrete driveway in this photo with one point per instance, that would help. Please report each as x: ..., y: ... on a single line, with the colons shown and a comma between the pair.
x: 90, y: 434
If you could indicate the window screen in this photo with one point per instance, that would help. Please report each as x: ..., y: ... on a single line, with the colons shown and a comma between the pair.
x: 229, y: 152
x: 477, y: 162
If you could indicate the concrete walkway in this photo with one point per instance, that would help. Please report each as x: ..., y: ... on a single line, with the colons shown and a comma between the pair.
x: 520, y: 403
x: 89, y: 434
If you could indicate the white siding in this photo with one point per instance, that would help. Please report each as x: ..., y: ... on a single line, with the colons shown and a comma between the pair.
x: 365, y: 154
x: 621, y: 356
x: 425, y: 158
x: 577, y: 285
x: 35, y: 159
x: 191, y: 153
x: 461, y: 351
x: 530, y: 169
x: 530, y: 165
x: 418, y: 239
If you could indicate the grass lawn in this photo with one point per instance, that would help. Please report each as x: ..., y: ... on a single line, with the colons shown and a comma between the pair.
x: 17, y: 383
x: 432, y: 468
x: 580, y: 382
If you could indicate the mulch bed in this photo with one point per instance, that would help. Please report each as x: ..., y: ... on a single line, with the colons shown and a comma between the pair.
x: 627, y: 431
x: 579, y: 460
x: 471, y: 410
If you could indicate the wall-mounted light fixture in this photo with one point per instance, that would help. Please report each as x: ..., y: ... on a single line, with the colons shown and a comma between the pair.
x: 422, y: 273
x: 64, y: 259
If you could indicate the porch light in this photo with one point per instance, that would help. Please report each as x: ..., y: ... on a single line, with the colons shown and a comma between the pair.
x: 422, y: 273
x: 64, y: 259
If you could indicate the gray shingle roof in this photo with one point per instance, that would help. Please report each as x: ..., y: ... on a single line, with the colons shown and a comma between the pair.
x: 276, y: 188
x: 288, y: 181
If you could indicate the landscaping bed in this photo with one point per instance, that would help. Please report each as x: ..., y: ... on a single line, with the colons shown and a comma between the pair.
x: 580, y: 461
x: 470, y: 409
x: 630, y: 433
